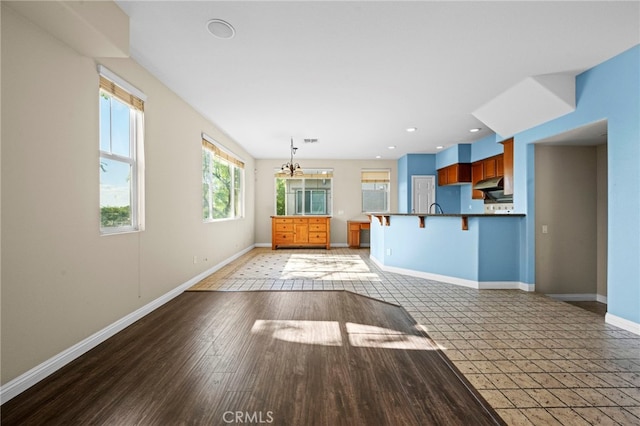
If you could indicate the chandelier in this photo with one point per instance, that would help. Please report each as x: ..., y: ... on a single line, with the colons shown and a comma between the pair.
x: 291, y: 168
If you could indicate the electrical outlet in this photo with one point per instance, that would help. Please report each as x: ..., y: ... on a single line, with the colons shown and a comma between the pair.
x: 545, y: 229
x: 388, y: 252
x: 195, y: 259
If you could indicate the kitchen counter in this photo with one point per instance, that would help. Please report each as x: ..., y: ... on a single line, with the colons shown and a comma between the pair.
x: 448, y: 214
x: 385, y: 218
x: 482, y: 251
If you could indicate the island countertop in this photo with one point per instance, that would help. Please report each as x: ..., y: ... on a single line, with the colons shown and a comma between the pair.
x: 385, y: 218
x: 449, y: 214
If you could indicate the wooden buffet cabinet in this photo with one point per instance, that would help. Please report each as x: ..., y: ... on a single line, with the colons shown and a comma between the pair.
x: 300, y: 231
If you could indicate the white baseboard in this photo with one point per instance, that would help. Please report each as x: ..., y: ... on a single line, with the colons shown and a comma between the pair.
x: 580, y: 297
x: 478, y: 285
x: 43, y: 370
x: 622, y: 323
x: 506, y: 285
x: 575, y: 297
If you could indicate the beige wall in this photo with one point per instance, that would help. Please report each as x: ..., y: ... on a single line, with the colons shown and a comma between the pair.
x: 61, y: 280
x: 567, y: 202
x: 346, y: 192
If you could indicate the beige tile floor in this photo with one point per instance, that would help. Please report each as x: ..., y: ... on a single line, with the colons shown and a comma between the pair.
x: 536, y: 360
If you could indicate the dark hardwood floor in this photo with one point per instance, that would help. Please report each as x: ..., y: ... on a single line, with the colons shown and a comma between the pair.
x: 282, y: 358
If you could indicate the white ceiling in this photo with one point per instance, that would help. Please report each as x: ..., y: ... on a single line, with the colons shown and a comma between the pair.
x: 355, y: 75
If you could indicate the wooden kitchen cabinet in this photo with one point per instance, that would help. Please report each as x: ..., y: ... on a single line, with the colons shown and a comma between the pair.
x: 443, y: 176
x: 300, y: 231
x: 454, y: 174
x: 485, y: 169
x: 500, y: 165
x: 477, y: 174
x: 508, y: 166
x: 489, y: 167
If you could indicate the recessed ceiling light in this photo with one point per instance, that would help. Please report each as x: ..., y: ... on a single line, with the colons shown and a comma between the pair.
x: 392, y: 147
x: 475, y: 129
x: 378, y: 156
x: 220, y: 29
x: 439, y: 147
x: 411, y: 129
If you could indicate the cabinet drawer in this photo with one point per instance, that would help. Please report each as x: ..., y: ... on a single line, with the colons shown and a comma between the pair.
x: 283, y: 238
x: 284, y: 227
x: 300, y: 220
x: 317, y: 220
x: 283, y: 220
x: 318, y: 227
x: 318, y: 237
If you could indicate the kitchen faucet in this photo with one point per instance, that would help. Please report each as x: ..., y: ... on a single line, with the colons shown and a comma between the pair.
x: 437, y: 207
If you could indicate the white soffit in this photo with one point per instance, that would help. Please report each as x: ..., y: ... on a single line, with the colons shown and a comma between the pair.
x: 93, y: 28
x: 533, y: 101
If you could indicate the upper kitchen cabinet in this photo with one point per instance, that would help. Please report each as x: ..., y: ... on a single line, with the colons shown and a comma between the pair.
x: 485, y: 169
x: 508, y: 166
x: 454, y: 174
x: 497, y: 165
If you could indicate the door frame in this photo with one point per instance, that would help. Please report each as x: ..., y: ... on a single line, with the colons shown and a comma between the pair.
x: 432, y: 178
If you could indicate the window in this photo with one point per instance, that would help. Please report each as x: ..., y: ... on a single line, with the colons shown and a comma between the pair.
x: 375, y: 190
x: 306, y: 194
x: 314, y: 201
x: 121, y: 155
x: 222, y: 183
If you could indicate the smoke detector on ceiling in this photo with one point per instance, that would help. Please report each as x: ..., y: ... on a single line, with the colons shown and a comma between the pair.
x: 220, y: 29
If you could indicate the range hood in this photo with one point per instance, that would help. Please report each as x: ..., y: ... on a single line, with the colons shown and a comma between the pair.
x: 493, y: 189
x: 491, y: 184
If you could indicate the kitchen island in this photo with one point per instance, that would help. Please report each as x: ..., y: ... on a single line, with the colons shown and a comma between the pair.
x: 481, y: 251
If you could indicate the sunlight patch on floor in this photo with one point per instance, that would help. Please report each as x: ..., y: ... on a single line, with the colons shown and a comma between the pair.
x: 327, y: 267
x: 327, y: 333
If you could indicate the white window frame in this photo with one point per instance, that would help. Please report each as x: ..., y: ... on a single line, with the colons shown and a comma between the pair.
x: 315, y: 173
x: 387, y: 192
x: 234, y: 167
x: 136, y: 154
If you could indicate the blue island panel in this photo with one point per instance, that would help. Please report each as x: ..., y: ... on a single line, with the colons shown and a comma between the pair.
x: 486, y: 255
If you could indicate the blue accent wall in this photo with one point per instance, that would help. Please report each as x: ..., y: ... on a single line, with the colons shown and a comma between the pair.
x: 460, y: 153
x: 413, y: 165
x: 609, y: 91
x: 486, y: 147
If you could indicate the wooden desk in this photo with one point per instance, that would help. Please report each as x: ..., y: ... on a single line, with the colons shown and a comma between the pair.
x: 353, y: 232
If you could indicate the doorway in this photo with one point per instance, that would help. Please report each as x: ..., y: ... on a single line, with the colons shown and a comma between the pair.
x: 423, y: 193
x: 571, y: 214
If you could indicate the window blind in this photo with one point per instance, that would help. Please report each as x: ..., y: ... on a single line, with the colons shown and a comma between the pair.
x: 222, y: 154
x: 120, y: 93
x: 374, y: 176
